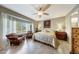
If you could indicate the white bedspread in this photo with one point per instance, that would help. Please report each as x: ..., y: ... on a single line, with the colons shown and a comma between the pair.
x: 45, y: 37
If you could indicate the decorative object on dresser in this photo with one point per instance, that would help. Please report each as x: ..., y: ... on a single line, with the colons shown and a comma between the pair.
x: 15, y: 39
x: 47, y: 24
x: 61, y: 35
x: 75, y: 40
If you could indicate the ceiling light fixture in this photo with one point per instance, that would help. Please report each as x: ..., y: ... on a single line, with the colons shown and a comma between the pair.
x: 40, y: 13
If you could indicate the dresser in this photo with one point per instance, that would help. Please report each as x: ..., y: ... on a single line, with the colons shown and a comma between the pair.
x: 75, y: 40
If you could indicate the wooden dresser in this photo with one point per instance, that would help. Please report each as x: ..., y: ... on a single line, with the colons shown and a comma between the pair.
x: 75, y: 40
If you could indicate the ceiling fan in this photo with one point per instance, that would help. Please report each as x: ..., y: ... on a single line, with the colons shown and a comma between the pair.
x: 41, y: 10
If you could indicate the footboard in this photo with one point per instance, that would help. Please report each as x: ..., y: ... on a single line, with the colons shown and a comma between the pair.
x: 46, y: 39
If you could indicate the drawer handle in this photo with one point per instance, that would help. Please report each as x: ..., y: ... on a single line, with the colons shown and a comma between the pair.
x: 76, y: 41
x: 75, y: 47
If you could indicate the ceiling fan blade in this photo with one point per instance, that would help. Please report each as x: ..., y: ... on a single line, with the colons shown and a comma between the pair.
x: 45, y: 13
x: 34, y: 13
x: 35, y: 8
x: 44, y: 8
x: 40, y: 9
x: 39, y: 16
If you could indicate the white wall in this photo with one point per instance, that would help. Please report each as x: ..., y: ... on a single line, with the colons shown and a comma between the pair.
x: 68, y: 30
x: 54, y: 23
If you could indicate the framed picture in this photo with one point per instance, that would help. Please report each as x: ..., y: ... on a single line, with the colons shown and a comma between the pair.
x: 47, y: 24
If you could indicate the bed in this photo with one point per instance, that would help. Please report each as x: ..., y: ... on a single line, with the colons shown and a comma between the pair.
x: 45, y: 37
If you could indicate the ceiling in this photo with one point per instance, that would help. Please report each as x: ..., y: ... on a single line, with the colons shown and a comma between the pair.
x: 55, y: 10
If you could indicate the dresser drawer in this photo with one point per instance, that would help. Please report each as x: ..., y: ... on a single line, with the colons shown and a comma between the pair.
x: 75, y: 31
x: 76, y: 49
x: 75, y: 36
x: 76, y: 42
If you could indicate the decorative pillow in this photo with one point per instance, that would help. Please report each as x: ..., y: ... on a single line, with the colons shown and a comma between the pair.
x: 47, y: 31
x: 43, y: 30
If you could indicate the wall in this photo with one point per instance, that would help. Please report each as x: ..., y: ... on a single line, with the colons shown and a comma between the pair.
x: 54, y: 23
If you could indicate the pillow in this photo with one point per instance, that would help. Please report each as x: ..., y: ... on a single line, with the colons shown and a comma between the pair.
x: 43, y: 30
x: 47, y: 30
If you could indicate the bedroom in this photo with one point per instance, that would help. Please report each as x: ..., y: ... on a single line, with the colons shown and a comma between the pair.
x: 50, y: 24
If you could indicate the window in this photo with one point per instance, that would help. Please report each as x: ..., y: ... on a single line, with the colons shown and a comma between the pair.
x: 14, y: 25
x: 74, y: 19
x: 22, y: 27
x: 18, y: 27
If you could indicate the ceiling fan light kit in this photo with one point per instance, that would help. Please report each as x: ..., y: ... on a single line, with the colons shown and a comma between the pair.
x: 40, y: 13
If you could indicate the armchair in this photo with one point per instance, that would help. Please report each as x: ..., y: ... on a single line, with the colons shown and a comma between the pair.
x: 15, y: 39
